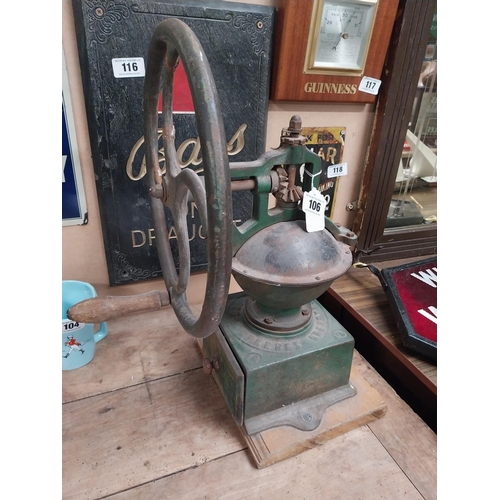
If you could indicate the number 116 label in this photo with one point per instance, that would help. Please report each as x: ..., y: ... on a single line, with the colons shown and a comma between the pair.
x: 128, y: 67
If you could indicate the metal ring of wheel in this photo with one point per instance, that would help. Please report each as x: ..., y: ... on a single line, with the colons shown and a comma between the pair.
x: 171, y: 40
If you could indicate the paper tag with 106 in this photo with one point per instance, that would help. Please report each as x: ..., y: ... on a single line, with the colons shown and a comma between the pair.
x: 313, y: 204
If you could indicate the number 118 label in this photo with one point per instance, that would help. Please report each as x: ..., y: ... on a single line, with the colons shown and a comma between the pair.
x: 336, y: 170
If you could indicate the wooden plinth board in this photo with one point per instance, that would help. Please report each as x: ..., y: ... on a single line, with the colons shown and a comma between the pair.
x: 279, y: 443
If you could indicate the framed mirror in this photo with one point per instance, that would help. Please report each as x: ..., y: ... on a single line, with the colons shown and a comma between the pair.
x: 397, y: 206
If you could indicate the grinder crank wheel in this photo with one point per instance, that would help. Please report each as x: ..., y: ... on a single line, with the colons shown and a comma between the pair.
x: 171, y: 40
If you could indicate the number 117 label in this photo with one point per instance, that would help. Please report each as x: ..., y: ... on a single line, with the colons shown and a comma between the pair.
x: 369, y: 85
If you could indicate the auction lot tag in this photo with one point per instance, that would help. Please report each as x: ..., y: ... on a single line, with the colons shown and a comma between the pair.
x: 313, y: 204
x: 369, y: 85
x: 336, y: 170
x: 71, y: 326
x: 128, y: 67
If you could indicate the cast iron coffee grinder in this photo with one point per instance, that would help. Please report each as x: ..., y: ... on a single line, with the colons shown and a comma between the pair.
x: 278, y: 356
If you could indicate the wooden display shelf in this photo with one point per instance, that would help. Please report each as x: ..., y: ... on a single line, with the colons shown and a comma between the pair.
x: 358, y: 302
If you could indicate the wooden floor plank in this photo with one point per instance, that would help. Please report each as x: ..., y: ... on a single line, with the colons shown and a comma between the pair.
x: 351, y: 467
x: 121, y: 440
x: 134, y: 435
x: 137, y: 348
x: 406, y: 437
x: 142, y: 421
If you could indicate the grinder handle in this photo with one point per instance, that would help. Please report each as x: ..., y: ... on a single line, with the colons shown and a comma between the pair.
x: 100, y: 309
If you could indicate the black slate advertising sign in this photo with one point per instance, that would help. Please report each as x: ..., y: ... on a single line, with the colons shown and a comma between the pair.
x: 113, y: 39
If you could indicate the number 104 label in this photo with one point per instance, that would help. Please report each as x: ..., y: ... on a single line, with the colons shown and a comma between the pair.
x: 128, y: 67
x: 71, y: 326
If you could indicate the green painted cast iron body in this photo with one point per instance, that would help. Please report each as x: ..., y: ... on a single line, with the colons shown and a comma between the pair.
x: 278, y: 369
x: 260, y: 170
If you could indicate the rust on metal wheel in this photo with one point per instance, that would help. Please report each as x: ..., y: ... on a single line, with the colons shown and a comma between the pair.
x: 171, y: 40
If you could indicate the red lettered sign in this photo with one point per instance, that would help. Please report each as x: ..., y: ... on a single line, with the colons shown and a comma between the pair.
x: 417, y: 288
